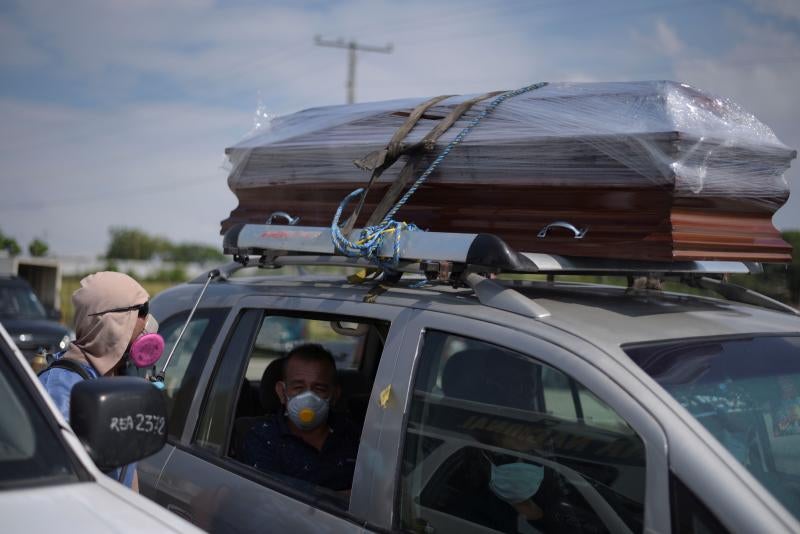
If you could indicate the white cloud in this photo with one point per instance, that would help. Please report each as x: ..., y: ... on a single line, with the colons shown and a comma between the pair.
x: 667, y: 39
x: 788, y: 9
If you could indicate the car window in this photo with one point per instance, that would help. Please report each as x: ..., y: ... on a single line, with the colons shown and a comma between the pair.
x: 746, y: 392
x: 277, y: 335
x: 18, y: 301
x: 184, y: 368
x: 497, y: 440
x: 30, y: 451
x: 245, y: 420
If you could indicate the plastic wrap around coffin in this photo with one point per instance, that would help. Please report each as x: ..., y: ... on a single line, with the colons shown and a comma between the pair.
x: 656, y: 170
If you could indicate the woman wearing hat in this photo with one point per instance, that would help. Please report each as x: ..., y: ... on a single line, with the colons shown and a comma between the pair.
x: 111, y: 314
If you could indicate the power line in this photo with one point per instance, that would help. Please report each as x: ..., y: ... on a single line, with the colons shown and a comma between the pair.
x: 352, y: 47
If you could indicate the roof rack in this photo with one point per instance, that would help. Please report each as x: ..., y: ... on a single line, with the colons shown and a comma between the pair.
x: 456, y: 258
x: 425, y: 251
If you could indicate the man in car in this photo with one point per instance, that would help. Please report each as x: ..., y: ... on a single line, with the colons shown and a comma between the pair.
x: 306, y: 441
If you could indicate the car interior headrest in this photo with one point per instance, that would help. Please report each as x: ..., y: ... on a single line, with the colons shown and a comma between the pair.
x: 270, y: 401
x: 490, y: 376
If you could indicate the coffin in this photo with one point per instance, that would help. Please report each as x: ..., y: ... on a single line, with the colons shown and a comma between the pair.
x: 651, y: 170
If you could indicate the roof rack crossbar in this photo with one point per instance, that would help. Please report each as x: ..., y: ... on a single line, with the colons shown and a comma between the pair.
x: 478, y: 251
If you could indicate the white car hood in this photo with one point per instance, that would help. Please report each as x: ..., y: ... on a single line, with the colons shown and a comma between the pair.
x: 85, y: 508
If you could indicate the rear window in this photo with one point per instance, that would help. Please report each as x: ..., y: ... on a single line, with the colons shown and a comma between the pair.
x: 746, y: 392
x: 18, y: 301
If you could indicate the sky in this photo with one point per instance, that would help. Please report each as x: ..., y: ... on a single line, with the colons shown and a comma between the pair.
x: 117, y: 112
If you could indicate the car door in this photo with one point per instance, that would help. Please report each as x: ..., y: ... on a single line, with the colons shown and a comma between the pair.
x: 205, y: 480
x: 460, y: 419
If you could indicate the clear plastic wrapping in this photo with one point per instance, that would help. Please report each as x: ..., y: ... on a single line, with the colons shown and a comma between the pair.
x: 640, y: 134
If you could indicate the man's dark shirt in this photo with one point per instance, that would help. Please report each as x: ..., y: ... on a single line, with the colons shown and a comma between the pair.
x: 271, y: 447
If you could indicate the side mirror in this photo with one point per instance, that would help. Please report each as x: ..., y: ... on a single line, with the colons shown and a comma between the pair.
x: 119, y: 420
x: 54, y: 314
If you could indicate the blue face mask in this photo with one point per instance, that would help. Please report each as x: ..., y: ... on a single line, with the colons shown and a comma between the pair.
x: 516, y: 482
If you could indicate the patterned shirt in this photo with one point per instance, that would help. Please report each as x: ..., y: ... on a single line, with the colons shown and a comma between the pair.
x: 271, y: 447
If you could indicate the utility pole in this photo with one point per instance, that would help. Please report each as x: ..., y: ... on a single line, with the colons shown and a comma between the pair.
x: 352, y: 47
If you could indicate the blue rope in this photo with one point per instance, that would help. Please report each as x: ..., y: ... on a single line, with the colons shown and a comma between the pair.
x: 371, y: 238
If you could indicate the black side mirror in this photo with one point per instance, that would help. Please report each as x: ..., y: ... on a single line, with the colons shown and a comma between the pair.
x: 54, y: 314
x: 119, y: 420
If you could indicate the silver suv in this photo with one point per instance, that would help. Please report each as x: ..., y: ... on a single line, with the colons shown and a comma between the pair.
x: 645, y: 410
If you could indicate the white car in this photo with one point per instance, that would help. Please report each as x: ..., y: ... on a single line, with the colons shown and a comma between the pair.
x: 48, y: 480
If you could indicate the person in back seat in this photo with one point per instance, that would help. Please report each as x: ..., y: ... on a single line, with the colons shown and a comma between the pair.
x: 306, y: 441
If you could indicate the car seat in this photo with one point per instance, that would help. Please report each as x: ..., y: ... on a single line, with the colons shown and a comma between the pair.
x: 268, y: 400
x: 490, y: 376
x: 460, y: 487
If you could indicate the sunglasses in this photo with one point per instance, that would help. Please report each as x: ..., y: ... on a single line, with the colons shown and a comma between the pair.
x: 144, y: 309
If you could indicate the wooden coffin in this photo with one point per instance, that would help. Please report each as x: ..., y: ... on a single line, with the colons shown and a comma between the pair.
x: 654, y: 170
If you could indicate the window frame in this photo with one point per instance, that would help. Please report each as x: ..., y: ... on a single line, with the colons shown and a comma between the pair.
x: 252, y: 309
x: 216, y: 318
x: 558, y: 349
x: 39, y: 408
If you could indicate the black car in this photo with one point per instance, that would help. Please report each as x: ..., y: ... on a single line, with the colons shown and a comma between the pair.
x: 31, y: 327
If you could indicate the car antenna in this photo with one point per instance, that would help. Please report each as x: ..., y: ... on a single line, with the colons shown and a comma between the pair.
x: 158, y: 380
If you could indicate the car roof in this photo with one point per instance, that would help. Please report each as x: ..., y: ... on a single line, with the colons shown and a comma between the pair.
x: 606, y: 316
x: 11, y: 280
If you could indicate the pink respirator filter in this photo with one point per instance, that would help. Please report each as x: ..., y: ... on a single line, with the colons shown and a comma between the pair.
x: 146, y: 350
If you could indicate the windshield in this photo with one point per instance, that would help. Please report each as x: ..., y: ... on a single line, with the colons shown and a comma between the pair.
x: 20, y: 302
x: 30, y: 451
x: 746, y: 392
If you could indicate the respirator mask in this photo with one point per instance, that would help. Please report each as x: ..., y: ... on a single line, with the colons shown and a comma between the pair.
x: 148, y: 347
x: 307, y: 410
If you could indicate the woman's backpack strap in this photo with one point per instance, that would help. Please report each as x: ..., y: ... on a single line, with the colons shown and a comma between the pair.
x: 69, y: 365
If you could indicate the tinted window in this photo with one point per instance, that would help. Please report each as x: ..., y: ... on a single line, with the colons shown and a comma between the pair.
x: 31, y: 453
x: 498, y: 440
x: 18, y: 301
x: 746, y: 392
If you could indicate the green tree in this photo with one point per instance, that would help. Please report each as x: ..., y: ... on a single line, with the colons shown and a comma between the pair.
x: 9, y: 244
x: 193, y: 252
x: 793, y: 271
x: 133, y: 244
x: 38, y: 248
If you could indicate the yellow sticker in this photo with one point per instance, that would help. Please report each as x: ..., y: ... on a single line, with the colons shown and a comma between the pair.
x: 383, y: 400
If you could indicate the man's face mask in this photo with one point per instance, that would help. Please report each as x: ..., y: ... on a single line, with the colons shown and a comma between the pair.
x: 307, y: 410
x: 148, y: 347
x: 516, y: 482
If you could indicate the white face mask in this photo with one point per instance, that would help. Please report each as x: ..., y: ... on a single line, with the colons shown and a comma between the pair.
x: 516, y: 482
x: 307, y: 410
